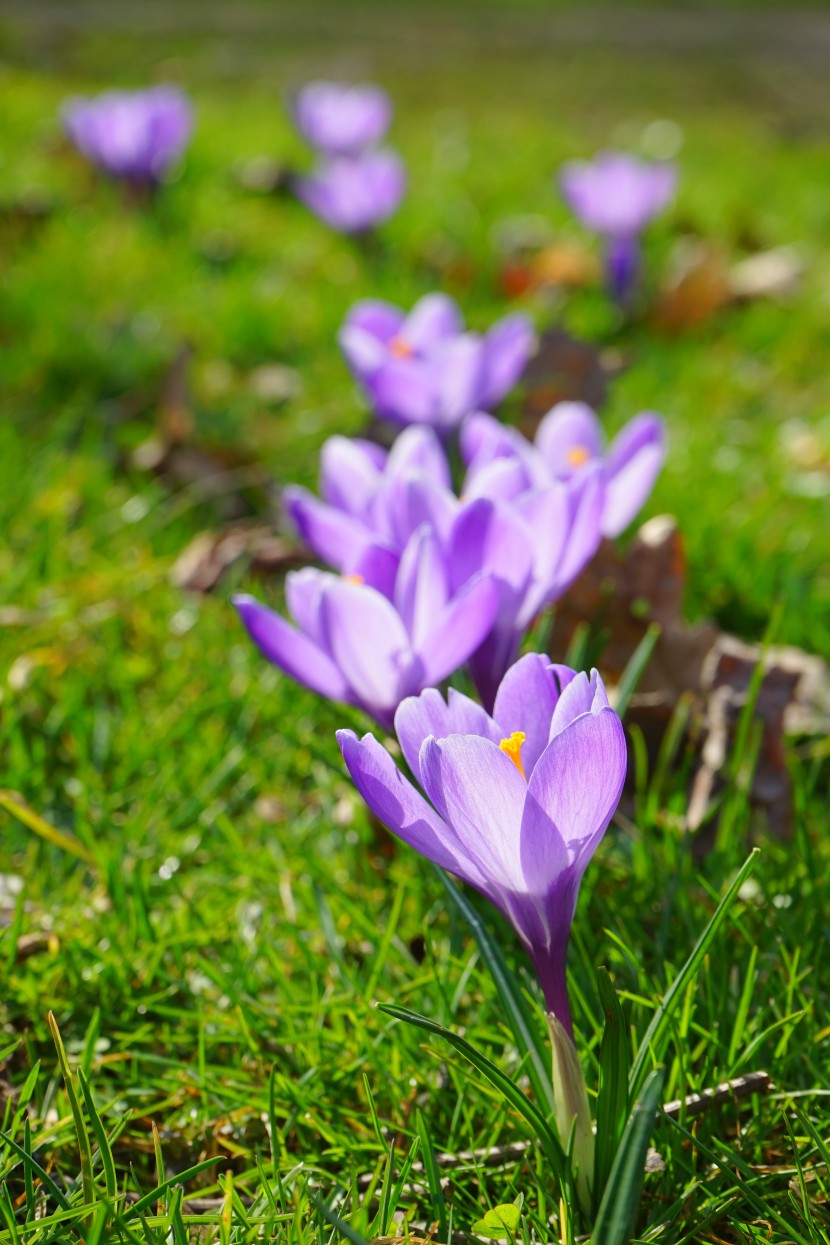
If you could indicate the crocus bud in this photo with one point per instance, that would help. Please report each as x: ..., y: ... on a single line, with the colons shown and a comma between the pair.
x: 572, y: 1109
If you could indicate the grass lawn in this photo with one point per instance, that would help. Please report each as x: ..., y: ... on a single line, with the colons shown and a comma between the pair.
x: 213, y: 932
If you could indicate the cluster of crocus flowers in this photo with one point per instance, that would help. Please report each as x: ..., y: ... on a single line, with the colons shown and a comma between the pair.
x: 616, y: 195
x: 529, y: 546
x: 423, y: 367
x: 132, y: 135
x: 356, y: 183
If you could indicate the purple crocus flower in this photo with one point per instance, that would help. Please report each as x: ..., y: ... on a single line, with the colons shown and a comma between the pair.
x: 371, y: 496
x: 340, y: 119
x: 569, y: 440
x: 519, y: 799
x: 352, y: 194
x: 423, y: 368
x: 135, y: 135
x: 617, y: 195
x: 532, y: 548
x: 384, y: 633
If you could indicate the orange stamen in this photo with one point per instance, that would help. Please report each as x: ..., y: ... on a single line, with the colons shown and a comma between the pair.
x: 512, y: 745
x: 353, y: 579
x: 577, y: 455
x: 400, y: 349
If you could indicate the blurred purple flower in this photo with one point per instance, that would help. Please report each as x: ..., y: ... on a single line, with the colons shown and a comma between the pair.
x: 569, y: 440
x: 354, y: 193
x: 423, y: 368
x: 616, y: 195
x: 373, y: 497
x: 532, y: 548
x: 340, y: 119
x: 384, y: 633
x: 520, y: 800
x: 135, y: 135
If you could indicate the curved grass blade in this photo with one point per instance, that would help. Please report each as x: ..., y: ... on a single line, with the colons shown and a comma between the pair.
x: 33, y: 821
x: 618, y: 1208
x: 180, y: 1178
x: 519, y: 1015
x: 45, y: 1179
x: 84, y: 1147
x: 107, y: 1161
x: 519, y: 1101
x: 612, y: 1100
x: 657, y: 1034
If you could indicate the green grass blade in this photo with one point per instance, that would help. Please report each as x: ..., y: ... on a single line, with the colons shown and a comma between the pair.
x: 618, y: 1208
x: 107, y: 1161
x: 519, y: 1101
x: 433, y: 1175
x: 612, y: 1100
x: 635, y: 666
x: 84, y: 1146
x: 45, y: 1179
x: 517, y: 1012
x: 181, y: 1178
x: 657, y: 1034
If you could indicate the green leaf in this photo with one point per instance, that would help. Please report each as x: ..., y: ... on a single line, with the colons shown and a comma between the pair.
x: 633, y: 672
x: 107, y: 1160
x: 510, y: 1091
x: 658, y: 1032
x: 500, y: 1223
x: 618, y: 1208
x: 84, y: 1146
x: 517, y: 1012
x: 433, y: 1175
x: 612, y: 1100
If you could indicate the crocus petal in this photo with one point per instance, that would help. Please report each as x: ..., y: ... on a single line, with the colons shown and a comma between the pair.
x: 568, y: 436
x: 457, y: 366
x: 579, y: 807
x: 433, y: 318
x: 507, y: 347
x: 422, y: 587
x: 404, y: 391
x: 526, y: 701
x: 292, y: 651
x: 368, y: 642
x: 303, y: 595
x: 479, y: 792
x: 350, y: 473
x: 483, y: 438
x: 400, y: 807
x: 460, y: 629
x: 633, y: 464
x: 364, y: 353
x: 341, y: 118
x: 503, y: 478
x: 418, y: 449
x: 418, y: 500
x: 377, y: 567
x: 418, y: 717
x: 337, y: 538
x: 379, y: 319
x: 586, y: 496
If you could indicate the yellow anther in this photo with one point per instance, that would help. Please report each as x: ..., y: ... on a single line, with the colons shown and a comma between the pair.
x: 577, y: 455
x: 400, y: 349
x: 512, y: 745
x: 353, y: 579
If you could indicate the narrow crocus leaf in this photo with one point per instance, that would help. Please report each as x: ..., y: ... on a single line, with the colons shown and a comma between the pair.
x: 617, y: 1211
x: 612, y: 1100
x: 573, y: 1113
x: 658, y: 1032
x: 507, y: 1088
x: 516, y: 1009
